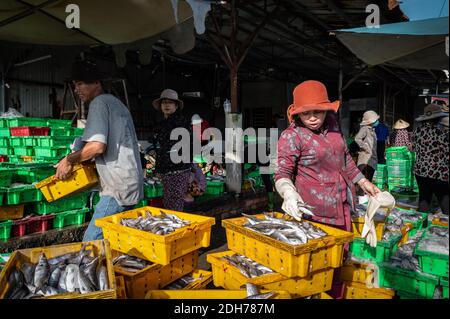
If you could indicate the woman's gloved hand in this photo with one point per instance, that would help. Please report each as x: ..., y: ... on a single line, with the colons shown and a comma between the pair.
x: 292, y: 199
x: 368, y: 188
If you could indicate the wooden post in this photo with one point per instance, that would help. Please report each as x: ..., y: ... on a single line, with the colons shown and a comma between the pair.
x: 233, y: 55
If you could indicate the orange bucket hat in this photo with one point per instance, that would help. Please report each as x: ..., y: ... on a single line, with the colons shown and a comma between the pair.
x: 309, y: 96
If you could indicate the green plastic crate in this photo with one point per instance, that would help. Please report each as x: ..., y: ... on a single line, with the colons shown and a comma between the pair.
x: 6, y: 151
x: 407, y: 295
x: 214, y: 188
x: 21, y: 141
x: 4, y: 142
x: 55, y: 141
x: 59, y: 123
x: 76, y: 132
x: 142, y: 203
x: 69, y: 218
x: 399, y: 152
x: 29, y: 175
x: 153, y: 191
x: 60, y: 131
x: 25, y: 194
x: 3, y: 122
x: 5, y: 230
x: 6, y: 177
x: 13, y: 160
x: 53, y: 152
x: 46, y: 160
x: 78, y: 201
x: 363, y: 251
x: 444, y: 283
x: 422, y: 285
x: 2, y: 195
x: 26, y: 121
x: 4, y: 132
x: 431, y: 262
x: 24, y: 151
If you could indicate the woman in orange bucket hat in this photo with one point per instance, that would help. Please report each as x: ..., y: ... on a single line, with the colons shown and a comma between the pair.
x: 316, y: 174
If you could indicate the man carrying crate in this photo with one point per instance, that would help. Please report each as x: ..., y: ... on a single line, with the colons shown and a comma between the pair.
x: 109, y: 138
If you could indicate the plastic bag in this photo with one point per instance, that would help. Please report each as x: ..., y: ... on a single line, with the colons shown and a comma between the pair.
x: 12, y: 112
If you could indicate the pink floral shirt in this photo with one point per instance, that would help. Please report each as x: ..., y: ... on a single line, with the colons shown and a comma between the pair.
x: 321, y: 167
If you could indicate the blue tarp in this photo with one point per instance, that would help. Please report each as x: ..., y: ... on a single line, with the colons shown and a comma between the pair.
x: 413, y: 44
x: 435, y: 26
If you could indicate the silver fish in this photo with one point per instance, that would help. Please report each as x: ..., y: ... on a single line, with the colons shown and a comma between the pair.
x: 49, y: 291
x: 86, y: 286
x: 55, y: 275
x: 16, y: 282
x: 162, y: 224
x: 19, y: 293
x: 72, y: 277
x: 61, y: 259
x: 41, y: 272
x: 131, y: 262
x: 290, y: 232
x: 182, y: 282
x: 102, y: 275
x: 28, y: 272
x: 266, y: 295
x: 247, y: 267
x: 90, y: 270
x: 62, y: 280
x: 252, y: 289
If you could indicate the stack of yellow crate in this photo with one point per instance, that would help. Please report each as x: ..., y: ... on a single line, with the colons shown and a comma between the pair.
x: 361, y: 282
x: 300, y: 270
x: 173, y: 256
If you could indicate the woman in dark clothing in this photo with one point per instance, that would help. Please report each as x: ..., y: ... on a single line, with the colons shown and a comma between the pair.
x: 431, y: 167
x: 175, y: 176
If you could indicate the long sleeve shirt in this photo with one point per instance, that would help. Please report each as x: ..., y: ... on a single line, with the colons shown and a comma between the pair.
x: 367, y: 142
x: 321, y: 167
x: 432, y: 149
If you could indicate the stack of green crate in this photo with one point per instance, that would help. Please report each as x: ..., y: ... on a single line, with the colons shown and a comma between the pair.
x: 380, y: 178
x: 400, y: 165
x: 412, y: 158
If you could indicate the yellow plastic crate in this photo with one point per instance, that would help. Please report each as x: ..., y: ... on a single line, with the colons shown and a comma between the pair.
x: 288, y: 260
x: 11, y: 212
x: 358, y: 224
x: 155, y: 276
x: 439, y: 222
x: 405, y: 233
x: 31, y: 255
x: 360, y: 273
x: 27, y: 158
x: 84, y: 176
x: 208, y: 294
x: 360, y: 291
x: 160, y: 249
x: 323, y: 295
x: 229, y: 277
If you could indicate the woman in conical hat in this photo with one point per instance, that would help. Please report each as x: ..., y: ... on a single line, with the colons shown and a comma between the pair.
x: 400, y: 136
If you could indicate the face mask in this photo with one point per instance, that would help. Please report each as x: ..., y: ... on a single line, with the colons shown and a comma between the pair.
x: 376, y: 123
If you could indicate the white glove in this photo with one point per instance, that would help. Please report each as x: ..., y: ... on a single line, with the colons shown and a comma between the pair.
x: 383, y: 199
x: 288, y: 192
